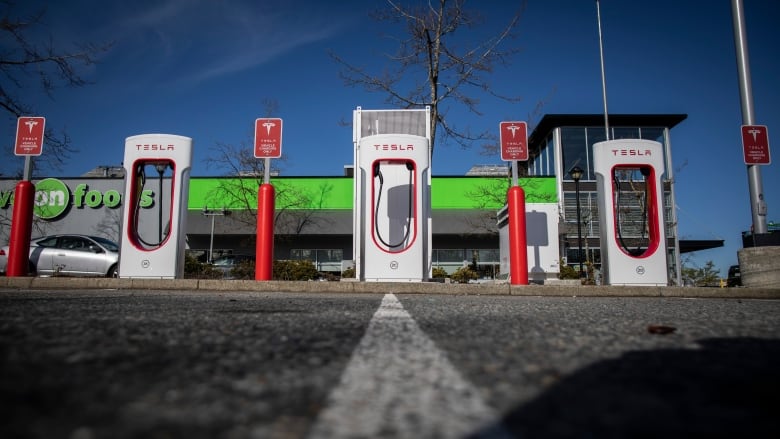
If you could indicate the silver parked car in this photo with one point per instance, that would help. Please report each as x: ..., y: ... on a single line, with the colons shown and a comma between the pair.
x: 72, y: 255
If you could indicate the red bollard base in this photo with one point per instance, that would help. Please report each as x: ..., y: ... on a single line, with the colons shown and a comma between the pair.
x: 264, y: 258
x: 518, y: 251
x: 21, y: 229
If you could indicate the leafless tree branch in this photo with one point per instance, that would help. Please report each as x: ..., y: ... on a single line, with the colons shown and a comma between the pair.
x: 27, y: 64
x: 432, y: 59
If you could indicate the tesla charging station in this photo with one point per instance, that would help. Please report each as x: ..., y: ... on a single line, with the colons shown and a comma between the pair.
x: 154, y: 239
x: 630, y: 200
x: 392, y: 205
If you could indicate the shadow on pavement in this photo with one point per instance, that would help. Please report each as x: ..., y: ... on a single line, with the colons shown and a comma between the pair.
x: 728, y: 388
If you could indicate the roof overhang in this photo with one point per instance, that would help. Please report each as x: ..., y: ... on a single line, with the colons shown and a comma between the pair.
x: 552, y: 121
x: 694, y: 245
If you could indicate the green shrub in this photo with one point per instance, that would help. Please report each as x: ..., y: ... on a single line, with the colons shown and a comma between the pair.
x: 464, y: 275
x: 439, y: 273
x: 194, y: 269
x: 244, y: 270
x: 568, y: 272
x: 348, y: 273
x: 294, y: 270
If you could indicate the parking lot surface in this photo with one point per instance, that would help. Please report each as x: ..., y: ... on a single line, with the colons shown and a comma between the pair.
x: 124, y: 363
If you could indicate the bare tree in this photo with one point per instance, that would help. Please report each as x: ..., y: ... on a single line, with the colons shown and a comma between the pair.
x: 493, y: 193
x: 435, y: 67
x: 300, y: 208
x: 110, y: 226
x: 295, y: 209
x: 27, y: 63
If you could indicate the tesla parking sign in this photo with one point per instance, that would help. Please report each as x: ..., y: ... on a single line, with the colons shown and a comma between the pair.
x: 268, y: 138
x: 514, y: 141
x: 755, y: 144
x: 29, y: 136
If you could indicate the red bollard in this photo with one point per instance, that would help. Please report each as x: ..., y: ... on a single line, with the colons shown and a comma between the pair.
x: 264, y: 261
x: 21, y: 228
x: 518, y: 249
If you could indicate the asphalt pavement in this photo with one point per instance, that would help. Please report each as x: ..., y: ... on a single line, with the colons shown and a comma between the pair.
x: 111, y: 362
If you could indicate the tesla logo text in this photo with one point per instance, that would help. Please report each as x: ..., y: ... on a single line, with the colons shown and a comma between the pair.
x: 154, y: 147
x: 632, y: 152
x: 393, y: 147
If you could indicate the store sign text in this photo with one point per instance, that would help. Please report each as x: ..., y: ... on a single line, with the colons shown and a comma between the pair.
x: 53, y: 197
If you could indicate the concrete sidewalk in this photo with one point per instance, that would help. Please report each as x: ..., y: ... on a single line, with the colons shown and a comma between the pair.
x: 345, y: 287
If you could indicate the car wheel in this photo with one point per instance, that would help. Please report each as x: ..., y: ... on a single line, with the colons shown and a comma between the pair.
x: 113, y: 272
x: 31, y: 269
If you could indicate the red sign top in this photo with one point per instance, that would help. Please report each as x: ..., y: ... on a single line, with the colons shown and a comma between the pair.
x: 268, y: 138
x: 29, y: 135
x: 514, y: 141
x: 755, y: 144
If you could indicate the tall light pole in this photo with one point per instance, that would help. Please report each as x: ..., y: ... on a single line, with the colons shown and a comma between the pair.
x: 576, y: 174
x: 755, y: 184
x: 603, y: 74
x: 212, y: 214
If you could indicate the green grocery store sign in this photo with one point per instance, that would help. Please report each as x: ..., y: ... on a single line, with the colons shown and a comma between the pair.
x: 53, y: 198
x: 336, y: 193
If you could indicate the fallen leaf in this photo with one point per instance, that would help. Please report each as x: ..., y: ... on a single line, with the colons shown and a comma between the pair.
x: 660, y: 329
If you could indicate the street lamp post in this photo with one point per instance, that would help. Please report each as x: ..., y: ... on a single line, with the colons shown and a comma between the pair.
x: 212, y: 214
x: 576, y: 174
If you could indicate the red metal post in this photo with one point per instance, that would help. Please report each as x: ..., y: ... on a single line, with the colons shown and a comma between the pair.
x: 518, y: 252
x: 264, y: 261
x: 21, y: 228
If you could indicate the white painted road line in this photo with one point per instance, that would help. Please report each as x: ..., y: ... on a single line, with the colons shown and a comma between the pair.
x: 399, y: 384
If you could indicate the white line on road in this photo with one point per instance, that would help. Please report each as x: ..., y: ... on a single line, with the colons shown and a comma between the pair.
x: 399, y: 384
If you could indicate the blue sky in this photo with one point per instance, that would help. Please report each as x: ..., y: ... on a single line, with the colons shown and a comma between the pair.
x: 202, y: 68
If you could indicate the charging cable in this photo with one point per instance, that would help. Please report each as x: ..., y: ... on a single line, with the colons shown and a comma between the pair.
x: 140, y: 175
x: 378, y: 173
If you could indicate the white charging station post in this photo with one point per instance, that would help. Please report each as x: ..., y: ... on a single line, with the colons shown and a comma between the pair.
x: 392, y: 203
x: 153, y: 240
x: 630, y: 200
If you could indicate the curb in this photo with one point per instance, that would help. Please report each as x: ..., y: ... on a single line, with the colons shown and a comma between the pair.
x: 314, y: 287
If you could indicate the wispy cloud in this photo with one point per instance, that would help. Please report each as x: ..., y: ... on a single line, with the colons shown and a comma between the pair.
x: 200, y: 40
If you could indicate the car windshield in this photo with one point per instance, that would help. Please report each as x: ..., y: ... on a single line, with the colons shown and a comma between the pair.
x: 109, y: 245
x: 230, y: 260
x: 226, y: 260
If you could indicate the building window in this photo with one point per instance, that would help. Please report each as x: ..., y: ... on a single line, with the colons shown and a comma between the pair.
x: 589, y: 213
x: 323, y: 259
x: 484, y: 256
x: 448, y: 256
x: 577, y: 144
x: 591, y: 254
x: 543, y: 164
x: 487, y: 260
x: 574, y: 146
x: 625, y: 133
